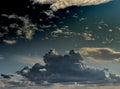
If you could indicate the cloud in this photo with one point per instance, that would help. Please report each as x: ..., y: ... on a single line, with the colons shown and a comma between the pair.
x: 71, y: 86
x: 61, y: 69
x: 14, y: 82
x: 28, y: 59
x: 18, y: 26
x: 61, y: 4
x: 1, y: 34
x: 101, y: 53
x: 10, y: 42
x: 63, y: 33
x: 88, y: 35
x: 66, y: 68
x: 1, y: 57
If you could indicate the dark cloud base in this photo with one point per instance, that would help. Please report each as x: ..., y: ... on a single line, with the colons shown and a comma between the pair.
x: 66, y: 68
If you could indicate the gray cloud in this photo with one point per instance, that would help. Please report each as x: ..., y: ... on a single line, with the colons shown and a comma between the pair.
x: 1, y: 57
x: 59, y: 69
x: 101, y: 53
x: 1, y: 34
x: 61, y: 4
x: 14, y: 82
x: 65, y: 68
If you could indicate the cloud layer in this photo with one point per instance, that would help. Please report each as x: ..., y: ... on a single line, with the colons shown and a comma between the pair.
x: 101, y: 53
x: 61, y: 4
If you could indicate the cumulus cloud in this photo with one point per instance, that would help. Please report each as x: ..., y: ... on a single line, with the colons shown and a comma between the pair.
x: 61, y: 4
x: 65, y: 68
x: 10, y: 42
x: 101, y: 53
x: 59, y: 69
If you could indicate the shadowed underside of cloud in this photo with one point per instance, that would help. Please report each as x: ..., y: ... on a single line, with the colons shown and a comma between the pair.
x: 106, y: 54
x: 61, y: 4
x: 66, y: 68
x: 61, y: 69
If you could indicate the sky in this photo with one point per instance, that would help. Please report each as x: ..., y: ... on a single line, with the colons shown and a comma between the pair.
x: 30, y: 29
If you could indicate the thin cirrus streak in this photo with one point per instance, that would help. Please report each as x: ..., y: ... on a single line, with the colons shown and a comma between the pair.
x: 61, y: 4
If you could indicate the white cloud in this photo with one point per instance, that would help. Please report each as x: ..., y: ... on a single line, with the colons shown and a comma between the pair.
x: 61, y: 4
x: 10, y: 42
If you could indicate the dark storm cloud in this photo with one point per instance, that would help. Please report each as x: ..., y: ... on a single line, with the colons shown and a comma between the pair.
x: 65, y: 68
x: 101, y: 53
x: 53, y: 58
x: 61, y: 4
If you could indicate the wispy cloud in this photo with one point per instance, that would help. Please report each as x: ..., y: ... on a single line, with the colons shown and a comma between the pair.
x: 1, y: 57
x: 28, y: 59
x: 25, y: 28
x: 101, y: 53
x: 10, y: 42
x: 59, y: 32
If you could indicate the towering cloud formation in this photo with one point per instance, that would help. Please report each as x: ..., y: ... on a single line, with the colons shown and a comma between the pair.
x: 65, y: 68
x: 58, y: 69
x: 60, y: 4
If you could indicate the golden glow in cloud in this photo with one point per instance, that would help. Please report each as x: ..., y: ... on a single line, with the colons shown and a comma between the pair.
x: 101, y: 53
x: 61, y: 4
